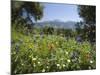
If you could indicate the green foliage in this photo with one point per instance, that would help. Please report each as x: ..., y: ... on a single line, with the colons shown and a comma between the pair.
x: 49, y: 53
x: 34, y: 9
x: 87, y: 32
x: 34, y: 52
x: 88, y: 13
x: 48, y: 30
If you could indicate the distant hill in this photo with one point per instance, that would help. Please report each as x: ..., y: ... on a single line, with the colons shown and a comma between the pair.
x: 57, y: 24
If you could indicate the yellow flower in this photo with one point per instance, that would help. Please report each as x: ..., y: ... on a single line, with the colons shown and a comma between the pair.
x: 51, y: 46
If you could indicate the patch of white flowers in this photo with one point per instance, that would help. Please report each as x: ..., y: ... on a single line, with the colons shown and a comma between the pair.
x: 68, y: 60
x: 58, y: 65
x: 47, y: 66
x: 22, y: 64
x: 34, y: 59
x: 43, y: 70
x: 34, y: 65
x: 91, y: 61
x: 89, y: 67
x: 66, y: 53
x: 38, y: 62
x: 64, y: 65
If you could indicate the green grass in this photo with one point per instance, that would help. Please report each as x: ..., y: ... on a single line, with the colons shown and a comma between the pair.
x: 49, y: 53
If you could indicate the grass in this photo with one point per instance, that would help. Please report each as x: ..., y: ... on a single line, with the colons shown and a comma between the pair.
x: 49, y: 53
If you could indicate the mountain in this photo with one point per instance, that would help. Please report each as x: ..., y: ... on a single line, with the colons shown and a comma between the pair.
x: 57, y: 24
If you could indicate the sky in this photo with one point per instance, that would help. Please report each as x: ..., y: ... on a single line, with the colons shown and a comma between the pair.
x: 62, y: 12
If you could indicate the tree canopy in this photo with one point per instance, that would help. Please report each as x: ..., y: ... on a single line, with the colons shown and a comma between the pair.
x: 88, y: 13
x: 34, y: 9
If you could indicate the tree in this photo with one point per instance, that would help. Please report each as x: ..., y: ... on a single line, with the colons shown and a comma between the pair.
x: 88, y: 13
x: 34, y: 9
x: 79, y: 27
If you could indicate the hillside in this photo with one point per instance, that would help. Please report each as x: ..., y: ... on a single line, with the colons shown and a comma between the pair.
x: 57, y: 24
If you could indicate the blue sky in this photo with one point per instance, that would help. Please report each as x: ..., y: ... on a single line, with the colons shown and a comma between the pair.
x: 62, y: 12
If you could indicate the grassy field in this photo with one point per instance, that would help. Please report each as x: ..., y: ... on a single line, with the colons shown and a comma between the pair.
x: 49, y: 53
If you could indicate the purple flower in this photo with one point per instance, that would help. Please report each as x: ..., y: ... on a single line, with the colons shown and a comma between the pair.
x: 17, y: 47
x: 75, y: 55
x: 79, y: 39
x: 42, y: 34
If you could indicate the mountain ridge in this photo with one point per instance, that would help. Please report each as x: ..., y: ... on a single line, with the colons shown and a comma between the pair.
x: 57, y: 24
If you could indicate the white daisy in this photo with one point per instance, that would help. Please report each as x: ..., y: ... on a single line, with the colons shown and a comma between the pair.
x: 68, y: 60
x: 34, y: 59
x: 22, y: 64
x: 64, y: 65
x: 43, y: 70
x: 34, y: 65
x: 58, y: 65
x: 47, y: 66
x: 66, y: 53
x: 38, y: 62
x: 91, y: 61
